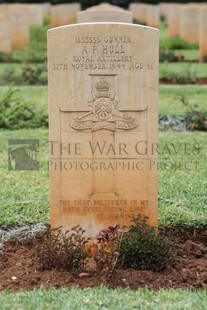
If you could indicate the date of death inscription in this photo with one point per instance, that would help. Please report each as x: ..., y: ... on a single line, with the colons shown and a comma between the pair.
x: 103, y: 53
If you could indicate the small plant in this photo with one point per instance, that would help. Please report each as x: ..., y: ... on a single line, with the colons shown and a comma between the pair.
x: 176, y: 44
x: 62, y: 250
x: 170, y: 56
x: 34, y: 75
x: 47, y: 20
x: 105, y: 249
x: 28, y: 75
x: 15, y: 113
x: 195, y: 118
x: 143, y: 248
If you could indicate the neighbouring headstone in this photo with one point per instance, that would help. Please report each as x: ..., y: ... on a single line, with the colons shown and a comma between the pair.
x: 35, y: 14
x: 189, y: 23
x: 103, y: 120
x: 104, y: 13
x: 153, y: 16
x: 5, y: 45
x: 174, y: 19
x: 46, y: 8
x: 203, y: 34
x: 164, y: 10
x: 19, y: 25
x: 139, y: 12
x: 64, y: 14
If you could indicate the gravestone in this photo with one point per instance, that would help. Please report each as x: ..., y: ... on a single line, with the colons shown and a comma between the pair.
x: 35, y: 14
x: 104, y: 13
x: 72, y: 15
x: 153, y: 16
x: 174, y: 19
x: 19, y: 25
x: 46, y: 7
x: 164, y: 10
x: 103, y: 106
x: 189, y: 23
x: 203, y: 34
x: 5, y: 39
x: 63, y: 14
x: 139, y: 12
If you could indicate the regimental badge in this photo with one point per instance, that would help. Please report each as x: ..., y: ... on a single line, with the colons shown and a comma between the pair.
x: 104, y: 112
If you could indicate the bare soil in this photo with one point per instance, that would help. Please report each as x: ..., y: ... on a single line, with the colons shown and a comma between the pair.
x: 199, y: 81
x: 19, y: 268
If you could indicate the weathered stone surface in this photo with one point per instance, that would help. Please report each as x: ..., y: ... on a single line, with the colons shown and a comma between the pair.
x: 19, y: 25
x: 46, y: 7
x: 35, y: 14
x: 104, y: 13
x: 164, y: 10
x: 64, y: 14
x: 189, y: 23
x: 5, y: 39
x: 174, y: 19
x: 153, y: 16
x: 139, y: 12
x: 103, y: 96
x: 203, y: 34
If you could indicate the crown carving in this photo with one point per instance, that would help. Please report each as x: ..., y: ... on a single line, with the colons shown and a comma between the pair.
x: 102, y: 85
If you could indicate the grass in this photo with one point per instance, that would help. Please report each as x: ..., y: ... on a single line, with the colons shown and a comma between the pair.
x: 34, y: 94
x: 24, y: 195
x: 183, y: 72
x: 182, y: 178
x: 103, y: 298
x: 170, y: 98
x: 191, y: 55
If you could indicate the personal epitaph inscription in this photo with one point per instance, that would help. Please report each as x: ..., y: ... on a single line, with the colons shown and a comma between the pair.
x: 103, y: 93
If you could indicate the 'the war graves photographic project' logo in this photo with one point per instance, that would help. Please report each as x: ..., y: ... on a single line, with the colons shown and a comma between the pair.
x: 22, y: 154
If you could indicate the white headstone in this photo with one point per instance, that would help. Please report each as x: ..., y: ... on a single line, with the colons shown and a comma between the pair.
x: 103, y: 107
x: 19, y: 25
x: 5, y: 39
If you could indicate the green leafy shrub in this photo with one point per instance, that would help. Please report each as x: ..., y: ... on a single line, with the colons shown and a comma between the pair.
x: 169, y: 56
x: 62, y: 250
x: 195, y: 117
x: 10, y: 76
x: 47, y: 20
x: 5, y: 57
x: 142, y: 248
x: 186, y: 76
x: 28, y: 75
x: 15, y: 113
x: 176, y: 44
x: 36, y: 75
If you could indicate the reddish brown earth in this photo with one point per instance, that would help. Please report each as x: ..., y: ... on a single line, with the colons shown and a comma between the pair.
x: 199, y: 81
x: 19, y: 268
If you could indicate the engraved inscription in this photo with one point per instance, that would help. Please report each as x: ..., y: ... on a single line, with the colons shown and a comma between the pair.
x: 105, y: 209
x: 103, y: 53
x: 104, y: 112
